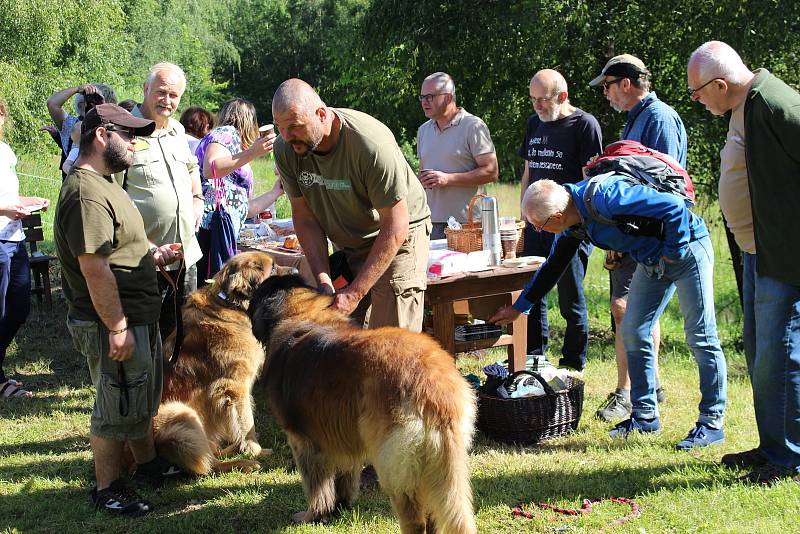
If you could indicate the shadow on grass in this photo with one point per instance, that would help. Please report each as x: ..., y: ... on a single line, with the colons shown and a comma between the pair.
x: 255, y: 506
x: 56, y: 446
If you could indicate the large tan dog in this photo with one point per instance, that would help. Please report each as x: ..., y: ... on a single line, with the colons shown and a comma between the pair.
x: 346, y: 396
x: 206, y: 411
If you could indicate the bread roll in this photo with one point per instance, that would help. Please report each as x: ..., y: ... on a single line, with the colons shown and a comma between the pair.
x: 291, y: 242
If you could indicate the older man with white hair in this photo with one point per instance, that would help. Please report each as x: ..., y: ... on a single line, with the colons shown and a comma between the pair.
x: 673, y: 251
x: 759, y: 194
x: 559, y: 139
x: 164, y: 184
x: 456, y: 153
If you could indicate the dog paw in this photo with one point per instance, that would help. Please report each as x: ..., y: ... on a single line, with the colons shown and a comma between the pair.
x: 252, y: 448
x: 249, y: 466
x: 264, y: 453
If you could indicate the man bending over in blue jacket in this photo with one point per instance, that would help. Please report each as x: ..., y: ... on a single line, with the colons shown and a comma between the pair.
x: 673, y: 251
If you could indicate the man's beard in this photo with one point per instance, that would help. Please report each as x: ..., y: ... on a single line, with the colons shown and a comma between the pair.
x: 116, y: 157
x: 310, y: 148
x: 550, y: 116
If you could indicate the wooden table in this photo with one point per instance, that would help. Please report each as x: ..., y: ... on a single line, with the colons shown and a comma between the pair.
x: 484, y: 292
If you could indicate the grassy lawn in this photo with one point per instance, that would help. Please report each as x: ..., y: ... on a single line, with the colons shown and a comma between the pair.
x: 46, y: 467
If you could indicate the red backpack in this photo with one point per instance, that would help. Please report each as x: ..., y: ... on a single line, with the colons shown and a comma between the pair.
x: 646, y: 166
x: 636, y: 163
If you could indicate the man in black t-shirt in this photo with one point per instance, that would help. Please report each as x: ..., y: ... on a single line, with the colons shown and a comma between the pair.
x: 559, y: 140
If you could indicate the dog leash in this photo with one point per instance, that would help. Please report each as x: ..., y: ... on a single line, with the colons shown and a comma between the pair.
x: 176, y: 349
x: 585, y: 509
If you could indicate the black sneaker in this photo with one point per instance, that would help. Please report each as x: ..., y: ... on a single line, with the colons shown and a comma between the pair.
x: 119, y: 499
x: 155, y: 472
x: 746, y: 459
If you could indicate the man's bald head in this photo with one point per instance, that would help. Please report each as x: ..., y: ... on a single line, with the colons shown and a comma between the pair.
x: 295, y: 95
x: 550, y: 80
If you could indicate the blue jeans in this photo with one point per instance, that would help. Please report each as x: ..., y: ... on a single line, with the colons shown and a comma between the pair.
x: 772, y: 349
x: 15, y: 293
x: 651, y: 290
x: 571, y: 303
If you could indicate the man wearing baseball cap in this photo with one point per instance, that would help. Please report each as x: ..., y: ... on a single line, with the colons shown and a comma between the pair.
x: 626, y: 84
x: 111, y: 288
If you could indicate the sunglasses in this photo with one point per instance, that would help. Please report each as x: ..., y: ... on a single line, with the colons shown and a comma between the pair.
x: 127, y: 133
x: 605, y: 85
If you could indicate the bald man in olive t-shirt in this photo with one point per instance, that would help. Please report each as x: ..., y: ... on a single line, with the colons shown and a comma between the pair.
x: 347, y: 180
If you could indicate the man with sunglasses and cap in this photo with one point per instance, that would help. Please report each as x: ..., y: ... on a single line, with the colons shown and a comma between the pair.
x: 626, y: 84
x: 109, y: 271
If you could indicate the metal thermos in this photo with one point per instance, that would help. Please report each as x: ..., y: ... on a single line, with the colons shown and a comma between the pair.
x: 491, y: 230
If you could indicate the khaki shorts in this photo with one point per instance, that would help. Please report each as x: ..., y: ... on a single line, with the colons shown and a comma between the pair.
x: 398, y: 297
x: 126, y: 400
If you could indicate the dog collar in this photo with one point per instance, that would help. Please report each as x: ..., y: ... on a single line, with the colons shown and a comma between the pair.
x: 223, y: 296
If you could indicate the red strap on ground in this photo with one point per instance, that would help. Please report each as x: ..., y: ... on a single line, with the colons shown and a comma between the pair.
x: 586, y: 508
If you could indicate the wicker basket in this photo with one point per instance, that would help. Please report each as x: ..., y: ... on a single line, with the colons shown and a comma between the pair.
x: 528, y: 420
x: 470, y: 237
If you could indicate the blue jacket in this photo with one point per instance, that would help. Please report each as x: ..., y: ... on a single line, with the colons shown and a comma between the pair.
x: 615, y: 198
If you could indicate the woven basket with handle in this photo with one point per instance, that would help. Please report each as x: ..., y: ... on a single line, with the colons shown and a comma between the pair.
x: 470, y: 237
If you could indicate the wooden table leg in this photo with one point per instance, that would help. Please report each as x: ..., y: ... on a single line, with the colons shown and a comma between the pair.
x: 517, y: 351
x: 444, y: 324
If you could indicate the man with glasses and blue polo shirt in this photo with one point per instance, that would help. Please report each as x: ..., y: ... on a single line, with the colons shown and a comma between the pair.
x: 455, y: 151
x: 626, y: 84
x: 559, y: 139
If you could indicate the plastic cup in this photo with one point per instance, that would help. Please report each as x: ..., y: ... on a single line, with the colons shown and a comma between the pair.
x: 266, y: 130
x: 508, y: 222
x: 509, y: 243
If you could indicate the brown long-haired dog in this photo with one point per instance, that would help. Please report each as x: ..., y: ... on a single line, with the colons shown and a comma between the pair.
x: 346, y: 396
x: 206, y: 410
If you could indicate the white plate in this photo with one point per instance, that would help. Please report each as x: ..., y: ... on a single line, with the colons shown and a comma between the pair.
x: 523, y: 260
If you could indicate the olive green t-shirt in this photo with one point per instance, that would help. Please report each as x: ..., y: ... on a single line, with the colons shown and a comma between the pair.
x: 365, y: 171
x: 96, y: 216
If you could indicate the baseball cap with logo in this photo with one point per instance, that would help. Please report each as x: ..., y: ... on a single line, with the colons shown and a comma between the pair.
x: 105, y: 114
x: 625, y: 66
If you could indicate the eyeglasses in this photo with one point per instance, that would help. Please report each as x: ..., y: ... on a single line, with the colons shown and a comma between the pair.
x: 691, y: 91
x: 127, y: 133
x: 541, y: 228
x: 428, y: 98
x: 605, y: 85
x: 543, y: 99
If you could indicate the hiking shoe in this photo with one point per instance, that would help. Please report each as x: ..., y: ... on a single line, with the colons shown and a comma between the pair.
x: 155, y: 472
x: 701, y: 436
x: 119, y: 499
x: 767, y: 475
x: 661, y: 396
x: 744, y: 460
x: 616, y: 406
x: 644, y: 426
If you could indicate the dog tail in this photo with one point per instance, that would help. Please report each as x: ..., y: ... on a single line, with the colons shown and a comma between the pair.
x: 448, y: 489
x: 180, y: 438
